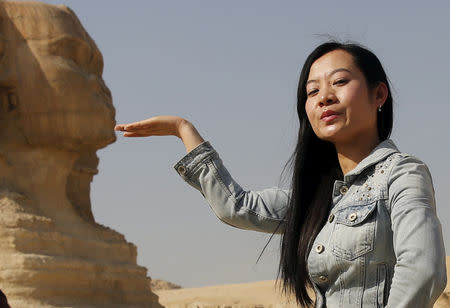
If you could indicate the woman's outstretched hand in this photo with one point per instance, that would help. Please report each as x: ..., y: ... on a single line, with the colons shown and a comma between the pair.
x: 155, y: 126
x: 163, y: 126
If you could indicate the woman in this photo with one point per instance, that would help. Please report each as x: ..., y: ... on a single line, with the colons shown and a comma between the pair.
x: 359, y: 225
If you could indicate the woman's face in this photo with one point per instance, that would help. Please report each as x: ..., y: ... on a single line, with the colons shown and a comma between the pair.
x: 339, y: 105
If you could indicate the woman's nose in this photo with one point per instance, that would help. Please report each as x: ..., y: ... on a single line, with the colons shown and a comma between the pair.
x: 327, y: 98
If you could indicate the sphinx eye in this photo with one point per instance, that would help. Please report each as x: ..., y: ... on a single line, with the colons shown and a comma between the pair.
x: 74, y: 50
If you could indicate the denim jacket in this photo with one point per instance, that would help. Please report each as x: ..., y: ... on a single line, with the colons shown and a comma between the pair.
x: 382, y: 244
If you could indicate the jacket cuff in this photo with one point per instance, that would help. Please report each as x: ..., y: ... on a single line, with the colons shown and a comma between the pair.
x: 186, y: 166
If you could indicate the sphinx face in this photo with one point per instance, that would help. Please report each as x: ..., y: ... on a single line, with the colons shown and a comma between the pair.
x: 62, y: 100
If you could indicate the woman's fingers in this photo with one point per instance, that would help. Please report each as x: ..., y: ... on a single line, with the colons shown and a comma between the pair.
x: 140, y: 125
x: 135, y: 135
x: 133, y: 126
x: 155, y: 126
x: 119, y: 127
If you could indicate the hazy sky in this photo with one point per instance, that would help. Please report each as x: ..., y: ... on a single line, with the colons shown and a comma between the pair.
x: 231, y: 67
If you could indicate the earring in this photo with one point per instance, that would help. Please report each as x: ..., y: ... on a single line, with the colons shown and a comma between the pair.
x: 379, y: 108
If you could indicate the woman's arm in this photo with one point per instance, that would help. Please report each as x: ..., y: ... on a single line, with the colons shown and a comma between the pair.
x: 419, y: 274
x: 203, y: 169
x: 262, y: 211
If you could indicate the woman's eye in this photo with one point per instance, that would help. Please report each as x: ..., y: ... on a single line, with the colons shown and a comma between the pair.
x: 312, y: 92
x: 340, y: 81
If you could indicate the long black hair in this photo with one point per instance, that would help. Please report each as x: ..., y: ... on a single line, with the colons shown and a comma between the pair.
x: 315, y: 168
x: 3, y: 300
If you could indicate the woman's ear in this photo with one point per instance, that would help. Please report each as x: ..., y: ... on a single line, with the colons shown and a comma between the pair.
x: 380, y: 94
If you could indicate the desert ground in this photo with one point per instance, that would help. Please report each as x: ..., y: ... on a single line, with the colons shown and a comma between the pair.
x: 262, y: 294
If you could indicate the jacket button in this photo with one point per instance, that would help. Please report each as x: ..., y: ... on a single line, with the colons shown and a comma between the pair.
x: 343, y: 190
x: 323, y: 278
x: 181, y: 169
x: 320, y: 248
x: 352, y: 217
x: 330, y: 218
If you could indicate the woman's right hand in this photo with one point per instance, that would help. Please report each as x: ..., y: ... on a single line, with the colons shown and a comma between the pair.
x: 163, y: 126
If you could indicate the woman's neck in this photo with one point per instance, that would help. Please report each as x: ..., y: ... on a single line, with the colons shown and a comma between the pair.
x: 353, y: 152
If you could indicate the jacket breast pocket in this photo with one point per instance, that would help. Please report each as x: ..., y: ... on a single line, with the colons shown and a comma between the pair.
x: 354, y: 231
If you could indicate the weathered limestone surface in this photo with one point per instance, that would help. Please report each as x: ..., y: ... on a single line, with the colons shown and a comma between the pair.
x: 158, y: 284
x: 55, y: 113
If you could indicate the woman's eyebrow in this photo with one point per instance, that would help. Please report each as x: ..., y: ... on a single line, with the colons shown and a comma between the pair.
x: 341, y: 69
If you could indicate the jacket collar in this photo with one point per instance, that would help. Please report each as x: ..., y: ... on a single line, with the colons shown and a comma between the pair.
x: 381, y: 151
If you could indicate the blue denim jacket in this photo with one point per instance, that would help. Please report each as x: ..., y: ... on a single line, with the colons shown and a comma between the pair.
x: 382, y: 244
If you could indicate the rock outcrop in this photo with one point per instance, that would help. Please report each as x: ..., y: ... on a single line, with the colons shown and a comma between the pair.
x: 158, y: 284
x: 56, y: 112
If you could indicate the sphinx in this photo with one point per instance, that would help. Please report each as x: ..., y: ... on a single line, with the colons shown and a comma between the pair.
x: 55, y: 113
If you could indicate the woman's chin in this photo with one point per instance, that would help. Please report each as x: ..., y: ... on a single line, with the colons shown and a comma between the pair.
x: 331, y: 133
x: 329, y: 136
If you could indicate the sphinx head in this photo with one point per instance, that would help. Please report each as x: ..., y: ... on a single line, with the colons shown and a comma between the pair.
x: 55, y: 110
x: 51, y: 89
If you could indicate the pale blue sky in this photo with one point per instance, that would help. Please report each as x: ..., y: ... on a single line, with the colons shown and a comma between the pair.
x: 231, y: 67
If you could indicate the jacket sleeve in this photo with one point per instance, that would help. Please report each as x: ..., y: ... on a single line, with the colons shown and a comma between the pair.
x: 262, y: 211
x: 419, y: 274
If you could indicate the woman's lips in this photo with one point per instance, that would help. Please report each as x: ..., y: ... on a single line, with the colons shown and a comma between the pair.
x: 329, y: 115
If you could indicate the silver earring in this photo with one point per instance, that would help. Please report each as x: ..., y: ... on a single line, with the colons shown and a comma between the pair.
x: 379, y: 109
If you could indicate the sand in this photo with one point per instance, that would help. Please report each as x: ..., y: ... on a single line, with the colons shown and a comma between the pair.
x: 262, y: 294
